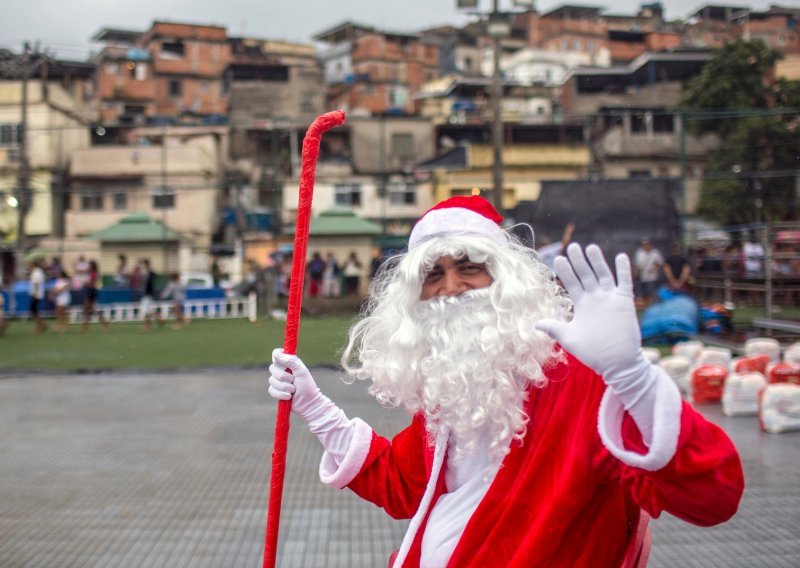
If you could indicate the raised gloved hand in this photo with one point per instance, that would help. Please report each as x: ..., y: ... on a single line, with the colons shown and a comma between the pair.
x: 291, y: 379
x: 604, y: 330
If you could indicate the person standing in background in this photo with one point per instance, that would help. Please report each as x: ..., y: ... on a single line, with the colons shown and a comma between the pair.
x: 2, y: 308
x: 175, y: 290
x: 135, y: 282
x: 54, y: 268
x: 352, y: 274
x: 90, y: 297
x: 146, y: 307
x: 36, y: 292
x: 121, y: 276
x: 753, y: 253
x: 63, y: 299
x: 648, y: 262
x: 677, y: 269
x: 330, y: 278
x: 79, y: 272
x: 316, y: 268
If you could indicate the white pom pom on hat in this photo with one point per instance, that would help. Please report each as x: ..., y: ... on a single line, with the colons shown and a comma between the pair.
x: 462, y: 215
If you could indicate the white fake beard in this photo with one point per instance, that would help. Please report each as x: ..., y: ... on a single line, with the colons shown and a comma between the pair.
x: 469, y: 383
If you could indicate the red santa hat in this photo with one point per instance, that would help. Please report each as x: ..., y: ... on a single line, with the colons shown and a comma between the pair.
x: 467, y: 215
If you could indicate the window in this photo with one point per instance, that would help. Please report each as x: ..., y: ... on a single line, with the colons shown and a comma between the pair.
x: 112, y: 68
x: 164, y: 198
x: 119, y: 200
x: 204, y: 86
x: 9, y: 134
x: 174, y: 88
x: 403, y: 146
x: 139, y: 71
x: 663, y: 123
x: 639, y: 174
x: 172, y: 49
x: 401, y: 193
x: 348, y: 194
x: 612, y: 120
x: 398, y: 96
x: 91, y: 200
x: 307, y: 102
x: 639, y: 122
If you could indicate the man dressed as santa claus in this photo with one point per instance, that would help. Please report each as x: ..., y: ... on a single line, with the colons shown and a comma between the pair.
x: 540, y: 435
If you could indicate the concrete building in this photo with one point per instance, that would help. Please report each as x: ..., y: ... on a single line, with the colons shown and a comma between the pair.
x: 777, y: 27
x: 531, y: 154
x: 714, y: 25
x: 57, y: 127
x: 373, y: 71
x: 169, y: 70
x: 636, y: 129
x: 175, y: 184
x: 275, y: 93
x: 367, y: 166
x: 462, y: 100
x: 460, y: 50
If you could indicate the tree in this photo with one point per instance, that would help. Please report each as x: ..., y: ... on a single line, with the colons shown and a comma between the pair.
x: 751, y: 175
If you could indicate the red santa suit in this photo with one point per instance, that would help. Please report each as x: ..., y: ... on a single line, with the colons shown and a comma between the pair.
x: 570, y: 493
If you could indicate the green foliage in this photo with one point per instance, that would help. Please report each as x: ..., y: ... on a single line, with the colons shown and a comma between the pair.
x: 737, y: 98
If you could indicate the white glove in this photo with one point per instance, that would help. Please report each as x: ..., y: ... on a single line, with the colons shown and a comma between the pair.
x: 325, y: 420
x: 604, y: 330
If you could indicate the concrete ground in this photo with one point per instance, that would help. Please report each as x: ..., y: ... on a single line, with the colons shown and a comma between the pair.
x: 152, y: 470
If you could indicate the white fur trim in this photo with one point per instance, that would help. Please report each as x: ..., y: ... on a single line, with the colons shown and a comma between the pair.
x: 666, y: 426
x: 438, y: 461
x: 340, y: 474
x: 454, y: 220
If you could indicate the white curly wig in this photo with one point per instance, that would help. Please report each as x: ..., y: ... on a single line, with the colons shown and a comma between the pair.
x: 466, y: 362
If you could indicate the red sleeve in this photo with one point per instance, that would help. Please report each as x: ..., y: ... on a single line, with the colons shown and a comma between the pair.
x: 702, y: 484
x: 394, y: 475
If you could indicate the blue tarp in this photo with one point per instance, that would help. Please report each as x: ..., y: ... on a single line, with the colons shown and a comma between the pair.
x: 674, y: 317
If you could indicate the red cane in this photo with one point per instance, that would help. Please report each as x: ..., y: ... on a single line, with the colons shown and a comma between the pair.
x: 310, y: 153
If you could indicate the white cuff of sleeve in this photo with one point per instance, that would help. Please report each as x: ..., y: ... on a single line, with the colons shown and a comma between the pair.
x: 666, y: 426
x: 338, y: 471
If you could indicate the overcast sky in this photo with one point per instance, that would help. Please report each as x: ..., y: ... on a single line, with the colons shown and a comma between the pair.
x: 67, y: 26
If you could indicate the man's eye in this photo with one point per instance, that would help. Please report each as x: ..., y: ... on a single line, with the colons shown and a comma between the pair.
x: 433, y: 275
x: 471, y: 268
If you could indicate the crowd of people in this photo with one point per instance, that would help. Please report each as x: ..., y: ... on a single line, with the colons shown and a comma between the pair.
x: 328, y: 277
x: 52, y: 284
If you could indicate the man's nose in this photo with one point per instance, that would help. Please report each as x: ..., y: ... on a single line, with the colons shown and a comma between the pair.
x: 452, y: 284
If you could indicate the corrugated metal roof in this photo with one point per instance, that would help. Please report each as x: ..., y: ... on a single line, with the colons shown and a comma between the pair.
x: 138, y: 227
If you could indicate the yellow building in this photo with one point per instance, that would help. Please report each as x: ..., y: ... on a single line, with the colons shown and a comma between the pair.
x: 56, y: 127
x: 525, y: 166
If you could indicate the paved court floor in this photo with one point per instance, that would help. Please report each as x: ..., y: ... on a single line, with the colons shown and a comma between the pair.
x: 171, y: 470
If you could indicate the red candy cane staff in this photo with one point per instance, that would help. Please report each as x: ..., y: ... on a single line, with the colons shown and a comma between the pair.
x: 310, y: 154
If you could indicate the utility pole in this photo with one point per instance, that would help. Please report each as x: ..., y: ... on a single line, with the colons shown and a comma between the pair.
x: 164, y: 200
x: 497, y: 31
x: 498, y: 27
x: 22, y: 68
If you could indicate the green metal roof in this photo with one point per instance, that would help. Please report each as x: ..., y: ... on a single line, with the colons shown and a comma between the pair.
x: 138, y: 227
x: 340, y: 221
